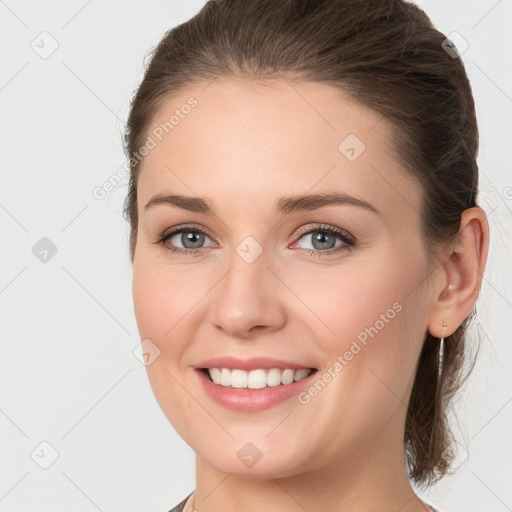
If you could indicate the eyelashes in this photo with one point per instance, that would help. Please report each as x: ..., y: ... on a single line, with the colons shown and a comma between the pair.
x: 348, y: 241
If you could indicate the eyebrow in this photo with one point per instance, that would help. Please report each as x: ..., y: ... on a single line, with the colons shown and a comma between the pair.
x: 285, y: 205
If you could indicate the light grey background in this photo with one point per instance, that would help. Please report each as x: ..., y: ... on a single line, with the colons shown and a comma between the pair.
x: 68, y: 374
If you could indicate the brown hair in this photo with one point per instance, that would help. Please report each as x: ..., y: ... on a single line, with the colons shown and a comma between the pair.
x: 387, y: 55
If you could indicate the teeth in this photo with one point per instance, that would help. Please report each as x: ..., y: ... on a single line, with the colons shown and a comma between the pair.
x: 256, y: 379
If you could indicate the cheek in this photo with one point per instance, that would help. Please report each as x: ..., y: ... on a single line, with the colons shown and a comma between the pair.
x: 150, y: 303
x: 163, y: 301
x: 368, y: 317
x: 161, y: 314
x: 345, y: 304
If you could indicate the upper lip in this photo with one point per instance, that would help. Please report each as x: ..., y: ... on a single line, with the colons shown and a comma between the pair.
x: 252, y: 363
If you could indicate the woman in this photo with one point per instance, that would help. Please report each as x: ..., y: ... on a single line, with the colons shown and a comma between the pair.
x: 307, y: 249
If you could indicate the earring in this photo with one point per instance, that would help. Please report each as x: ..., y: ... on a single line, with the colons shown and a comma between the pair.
x: 441, y: 353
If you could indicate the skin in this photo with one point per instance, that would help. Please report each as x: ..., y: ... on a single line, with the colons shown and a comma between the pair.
x: 244, y: 146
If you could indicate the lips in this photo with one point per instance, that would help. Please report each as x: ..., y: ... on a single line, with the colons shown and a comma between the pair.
x: 252, y: 363
x: 251, y: 400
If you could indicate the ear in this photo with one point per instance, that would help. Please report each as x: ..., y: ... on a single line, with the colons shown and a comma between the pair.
x: 460, y: 275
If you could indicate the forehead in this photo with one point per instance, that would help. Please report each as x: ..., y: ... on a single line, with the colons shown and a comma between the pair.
x: 236, y: 140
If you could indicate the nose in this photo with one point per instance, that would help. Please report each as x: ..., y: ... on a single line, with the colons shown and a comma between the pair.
x: 248, y: 301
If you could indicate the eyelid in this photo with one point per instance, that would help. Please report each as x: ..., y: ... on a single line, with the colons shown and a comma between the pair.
x: 348, y: 240
x: 302, y: 231
x: 327, y: 227
x: 193, y: 227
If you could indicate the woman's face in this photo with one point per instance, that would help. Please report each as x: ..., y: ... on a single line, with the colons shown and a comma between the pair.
x: 269, y: 280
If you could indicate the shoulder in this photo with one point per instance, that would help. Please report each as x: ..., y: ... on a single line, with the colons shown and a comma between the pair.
x: 435, y: 509
x: 180, y: 506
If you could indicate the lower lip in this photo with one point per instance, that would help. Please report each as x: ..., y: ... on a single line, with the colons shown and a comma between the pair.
x: 250, y: 400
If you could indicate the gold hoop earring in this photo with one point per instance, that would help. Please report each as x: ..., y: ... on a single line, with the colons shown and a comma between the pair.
x: 441, y: 353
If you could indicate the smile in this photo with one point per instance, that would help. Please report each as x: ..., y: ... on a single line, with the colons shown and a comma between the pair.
x: 254, y: 390
x: 256, y: 379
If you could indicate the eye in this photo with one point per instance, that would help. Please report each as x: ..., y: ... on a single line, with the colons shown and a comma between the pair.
x: 190, y: 237
x: 323, y: 240
x: 193, y: 238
